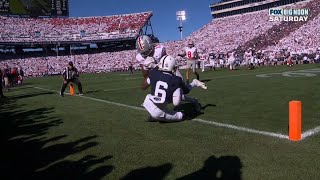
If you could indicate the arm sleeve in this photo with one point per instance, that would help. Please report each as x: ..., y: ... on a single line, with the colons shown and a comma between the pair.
x: 76, y: 73
x: 176, y: 98
x: 63, y: 73
x: 139, y: 59
x: 185, y: 89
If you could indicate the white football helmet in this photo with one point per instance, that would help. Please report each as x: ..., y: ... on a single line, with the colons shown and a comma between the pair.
x: 144, y: 45
x: 190, y: 44
x: 167, y: 63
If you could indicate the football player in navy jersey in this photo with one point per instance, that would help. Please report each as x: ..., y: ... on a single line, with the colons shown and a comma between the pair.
x: 149, y: 56
x: 167, y: 88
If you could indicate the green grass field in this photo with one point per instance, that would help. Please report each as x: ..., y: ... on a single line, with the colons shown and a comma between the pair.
x: 103, y: 136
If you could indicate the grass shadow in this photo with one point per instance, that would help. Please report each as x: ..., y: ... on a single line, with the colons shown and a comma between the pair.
x: 29, y: 152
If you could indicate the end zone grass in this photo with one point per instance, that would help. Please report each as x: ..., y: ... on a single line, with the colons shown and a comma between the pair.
x: 44, y: 136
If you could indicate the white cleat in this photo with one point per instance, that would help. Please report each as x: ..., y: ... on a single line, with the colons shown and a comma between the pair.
x: 198, y: 83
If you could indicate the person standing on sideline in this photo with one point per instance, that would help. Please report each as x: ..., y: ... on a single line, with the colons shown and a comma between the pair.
x: 70, y: 74
x: 130, y: 68
x: 1, y: 92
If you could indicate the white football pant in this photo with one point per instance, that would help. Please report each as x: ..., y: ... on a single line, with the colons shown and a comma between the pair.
x: 161, y: 114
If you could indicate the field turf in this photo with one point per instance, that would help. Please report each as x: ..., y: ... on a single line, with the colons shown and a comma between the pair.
x: 104, y: 135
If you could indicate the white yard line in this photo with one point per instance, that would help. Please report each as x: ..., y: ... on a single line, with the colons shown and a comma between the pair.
x: 306, y: 134
x: 244, y: 129
x: 202, y: 121
x: 311, y: 132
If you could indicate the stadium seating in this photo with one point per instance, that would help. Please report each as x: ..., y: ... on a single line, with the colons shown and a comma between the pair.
x: 71, y: 29
x: 86, y: 63
x: 221, y: 35
x: 304, y: 38
x: 229, y: 33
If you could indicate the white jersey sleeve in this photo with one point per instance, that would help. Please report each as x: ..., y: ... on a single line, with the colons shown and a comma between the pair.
x: 148, y: 63
x: 140, y: 59
x: 176, y: 98
x: 159, y: 52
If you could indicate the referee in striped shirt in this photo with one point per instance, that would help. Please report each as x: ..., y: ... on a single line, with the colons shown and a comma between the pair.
x: 70, y: 74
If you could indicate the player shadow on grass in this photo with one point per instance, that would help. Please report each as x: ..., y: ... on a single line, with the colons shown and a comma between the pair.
x: 206, y: 80
x: 30, y: 95
x: 29, y: 150
x: 207, y: 105
x: 147, y: 173
x: 188, y: 109
x: 224, y: 167
x: 92, y: 91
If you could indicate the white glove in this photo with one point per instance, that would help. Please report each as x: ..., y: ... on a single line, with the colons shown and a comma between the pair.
x: 149, y: 63
x: 197, y: 83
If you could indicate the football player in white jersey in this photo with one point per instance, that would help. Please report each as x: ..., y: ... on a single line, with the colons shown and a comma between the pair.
x: 231, y: 61
x: 191, y: 54
x: 248, y: 56
x: 148, y: 54
x: 203, y: 59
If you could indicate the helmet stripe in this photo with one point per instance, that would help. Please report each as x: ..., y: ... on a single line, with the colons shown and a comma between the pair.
x: 139, y: 42
x: 163, y: 61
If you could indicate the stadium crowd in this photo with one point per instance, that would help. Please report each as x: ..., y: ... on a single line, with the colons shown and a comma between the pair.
x: 15, y: 29
x: 269, y: 43
x: 86, y: 63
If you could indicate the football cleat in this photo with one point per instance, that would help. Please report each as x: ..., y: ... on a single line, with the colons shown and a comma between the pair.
x: 61, y: 94
x: 200, y: 84
x: 80, y: 94
x: 196, y: 106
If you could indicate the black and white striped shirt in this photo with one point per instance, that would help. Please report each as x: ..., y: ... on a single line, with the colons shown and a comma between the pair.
x: 70, y: 73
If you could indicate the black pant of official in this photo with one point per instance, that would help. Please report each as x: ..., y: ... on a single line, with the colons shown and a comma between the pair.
x: 1, y: 92
x: 75, y: 81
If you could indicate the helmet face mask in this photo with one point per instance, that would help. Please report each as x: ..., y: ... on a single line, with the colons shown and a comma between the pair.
x: 150, y: 52
x: 190, y: 44
x: 144, y: 46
